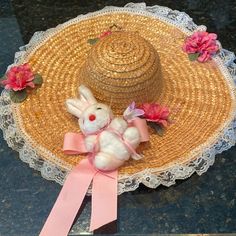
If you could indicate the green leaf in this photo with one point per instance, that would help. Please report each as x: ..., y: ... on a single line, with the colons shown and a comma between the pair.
x: 1, y: 79
x: 18, y: 96
x: 92, y: 41
x: 158, y: 128
x: 193, y: 56
x: 38, y: 80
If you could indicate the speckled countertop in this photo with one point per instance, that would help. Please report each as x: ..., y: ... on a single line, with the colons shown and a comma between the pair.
x: 200, y: 204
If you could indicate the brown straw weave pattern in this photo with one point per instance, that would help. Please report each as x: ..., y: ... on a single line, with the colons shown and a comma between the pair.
x: 123, y: 67
x: 200, y: 90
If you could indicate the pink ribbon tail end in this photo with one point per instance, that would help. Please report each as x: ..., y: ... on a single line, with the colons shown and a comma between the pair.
x: 104, y: 199
x: 69, y: 200
x: 65, y: 209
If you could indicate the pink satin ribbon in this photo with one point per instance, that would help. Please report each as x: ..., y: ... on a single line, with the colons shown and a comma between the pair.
x: 74, y: 143
x: 104, y: 188
x: 141, y: 125
x: 104, y: 194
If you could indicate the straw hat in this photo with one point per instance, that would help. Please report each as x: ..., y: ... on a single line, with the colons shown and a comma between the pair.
x: 141, y: 61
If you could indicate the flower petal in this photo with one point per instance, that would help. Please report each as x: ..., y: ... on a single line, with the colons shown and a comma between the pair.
x: 132, y: 105
x: 31, y: 84
x: 7, y: 86
x: 204, y: 57
x: 137, y: 112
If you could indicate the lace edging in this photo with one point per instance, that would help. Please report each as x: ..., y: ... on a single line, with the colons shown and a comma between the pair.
x: 151, y: 178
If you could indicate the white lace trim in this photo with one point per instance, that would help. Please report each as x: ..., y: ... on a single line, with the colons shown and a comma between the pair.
x: 152, y: 178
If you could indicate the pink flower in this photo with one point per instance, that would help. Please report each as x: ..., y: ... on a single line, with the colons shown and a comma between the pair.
x: 156, y: 113
x: 104, y: 34
x: 202, y: 43
x: 19, y: 77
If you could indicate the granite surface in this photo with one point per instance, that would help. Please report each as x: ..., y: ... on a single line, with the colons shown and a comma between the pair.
x: 200, y: 204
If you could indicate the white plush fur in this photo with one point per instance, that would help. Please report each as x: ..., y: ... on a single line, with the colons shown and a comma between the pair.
x: 110, y: 151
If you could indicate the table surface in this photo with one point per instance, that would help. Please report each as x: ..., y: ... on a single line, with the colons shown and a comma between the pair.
x: 200, y: 204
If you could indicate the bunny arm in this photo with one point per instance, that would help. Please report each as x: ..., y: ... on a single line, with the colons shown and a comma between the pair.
x: 90, y: 142
x: 118, y: 124
x: 132, y: 136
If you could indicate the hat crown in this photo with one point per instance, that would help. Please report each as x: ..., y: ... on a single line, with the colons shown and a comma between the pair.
x: 121, y: 68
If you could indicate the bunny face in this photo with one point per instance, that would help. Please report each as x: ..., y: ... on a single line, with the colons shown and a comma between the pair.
x: 95, y: 118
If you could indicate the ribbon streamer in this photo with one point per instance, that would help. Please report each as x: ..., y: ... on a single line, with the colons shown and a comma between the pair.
x: 104, y: 194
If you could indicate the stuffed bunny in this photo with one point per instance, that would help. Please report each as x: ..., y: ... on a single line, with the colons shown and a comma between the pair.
x: 105, y: 136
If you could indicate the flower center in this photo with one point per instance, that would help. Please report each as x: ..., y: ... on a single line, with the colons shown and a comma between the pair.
x: 19, y: 75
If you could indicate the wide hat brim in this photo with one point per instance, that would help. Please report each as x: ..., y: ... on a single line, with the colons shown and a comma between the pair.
x: 203, y: 93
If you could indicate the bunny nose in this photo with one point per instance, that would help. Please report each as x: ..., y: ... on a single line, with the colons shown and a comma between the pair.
x: 92, y: 117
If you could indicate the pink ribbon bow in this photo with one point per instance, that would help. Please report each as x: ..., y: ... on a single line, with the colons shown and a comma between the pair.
x: 104, y: 189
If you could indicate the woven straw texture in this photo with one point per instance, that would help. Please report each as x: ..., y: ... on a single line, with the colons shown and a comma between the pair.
x: 199, y: 90
x: 121, y: 68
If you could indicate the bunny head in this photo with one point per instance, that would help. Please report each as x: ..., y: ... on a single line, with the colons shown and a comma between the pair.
x: 93, y: 116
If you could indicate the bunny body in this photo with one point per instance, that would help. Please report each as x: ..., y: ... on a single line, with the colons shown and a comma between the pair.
x: 105, y: 136
x: 112, y: 150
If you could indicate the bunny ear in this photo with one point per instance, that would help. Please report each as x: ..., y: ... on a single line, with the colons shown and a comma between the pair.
x: 73, y: 107
x: 86, y: 95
